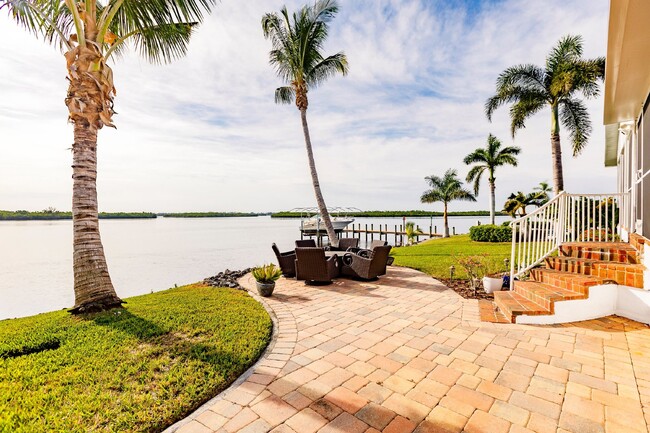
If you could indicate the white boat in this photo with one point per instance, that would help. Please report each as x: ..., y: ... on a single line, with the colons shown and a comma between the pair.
x: 339, y: 223
x: 312, y: 222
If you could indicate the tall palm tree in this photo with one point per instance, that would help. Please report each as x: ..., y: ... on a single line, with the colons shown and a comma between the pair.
x: 488, y: 159
x: 90, y: 33
x: 296, y: 55
x: 529, y: 88
x: 518, y: 202
x: 446, y: 189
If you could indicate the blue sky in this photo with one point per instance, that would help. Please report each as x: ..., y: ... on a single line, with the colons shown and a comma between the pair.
x: 204, y: 133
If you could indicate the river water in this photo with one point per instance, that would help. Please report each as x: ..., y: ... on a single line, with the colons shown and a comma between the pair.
x: 149, y: 254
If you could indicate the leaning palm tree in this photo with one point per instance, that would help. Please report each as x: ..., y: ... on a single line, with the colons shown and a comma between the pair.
x: 297, y: 58
x: 446, y: 189
x: 90, y: 33
x: 529, y: 88
x: 488, y: 159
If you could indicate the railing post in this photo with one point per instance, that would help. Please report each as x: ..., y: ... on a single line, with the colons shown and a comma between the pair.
x: 512, y: 255
x: 561, y: 221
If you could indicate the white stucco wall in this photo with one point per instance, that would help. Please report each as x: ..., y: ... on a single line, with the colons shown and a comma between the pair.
x: 603, y: 300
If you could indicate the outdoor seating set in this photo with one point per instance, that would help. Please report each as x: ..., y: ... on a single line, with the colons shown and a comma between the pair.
x: 321, y: 265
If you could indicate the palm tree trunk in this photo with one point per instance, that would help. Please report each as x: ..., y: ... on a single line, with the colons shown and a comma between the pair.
x: 556, y: 152
x: 331, y: 234
x: 446, y: 222
x: 492, y: 202
x: 93, y: 288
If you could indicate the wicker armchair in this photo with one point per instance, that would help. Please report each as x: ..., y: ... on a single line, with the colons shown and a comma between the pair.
x: 367, y: 252
x: 312, y: 265
x: 303, y: 243
x: 366, y: 268
x: 287, y: 261
x: 345, y: 244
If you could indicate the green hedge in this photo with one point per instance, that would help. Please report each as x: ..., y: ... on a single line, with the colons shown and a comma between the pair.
x: 490, y: 233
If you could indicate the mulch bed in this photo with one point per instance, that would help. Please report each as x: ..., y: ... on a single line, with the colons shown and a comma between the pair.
x: 463, y: 289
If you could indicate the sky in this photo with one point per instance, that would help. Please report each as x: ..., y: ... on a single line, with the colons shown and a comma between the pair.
x: 204, y: 133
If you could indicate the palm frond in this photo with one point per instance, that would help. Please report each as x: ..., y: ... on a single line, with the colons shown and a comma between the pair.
x: 477, y: 156
x: 284, y: 95
x: 528, y: 104
x: 327, y: 68
x: 162, y: 43
x: 567, y: 50
x: 575, y: 117
x: 475, y: 175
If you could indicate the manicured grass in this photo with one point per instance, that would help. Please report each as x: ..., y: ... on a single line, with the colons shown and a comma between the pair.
x: 435, y: 256
x: 140, y: 368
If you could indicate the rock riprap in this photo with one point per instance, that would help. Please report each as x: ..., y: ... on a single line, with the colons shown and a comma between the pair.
x: 227, y: 278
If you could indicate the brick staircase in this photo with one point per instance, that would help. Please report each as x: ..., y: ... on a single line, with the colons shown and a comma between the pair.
x: 568, y: 276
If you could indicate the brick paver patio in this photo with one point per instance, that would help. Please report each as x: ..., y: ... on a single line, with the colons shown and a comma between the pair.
x: 406, y: 354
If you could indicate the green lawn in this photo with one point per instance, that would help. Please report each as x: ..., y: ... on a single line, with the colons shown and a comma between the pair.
x: 140, y: 368
x: 435, y: 256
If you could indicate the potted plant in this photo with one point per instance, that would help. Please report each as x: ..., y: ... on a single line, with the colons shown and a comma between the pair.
x: 492, y: 280
x: 266, y: 276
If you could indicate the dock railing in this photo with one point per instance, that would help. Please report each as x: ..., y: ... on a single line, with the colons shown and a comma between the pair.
x: 565, y: 218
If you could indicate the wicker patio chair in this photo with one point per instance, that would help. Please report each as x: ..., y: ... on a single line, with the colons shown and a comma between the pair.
x: 313, y: 267
x: 345, y: 244
x: 367, y: 251
x: 366, y: 268
x: 287, y: 261
x: 303, y: 243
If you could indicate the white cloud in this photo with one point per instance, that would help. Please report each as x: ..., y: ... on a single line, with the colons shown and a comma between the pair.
x: 205, y: 134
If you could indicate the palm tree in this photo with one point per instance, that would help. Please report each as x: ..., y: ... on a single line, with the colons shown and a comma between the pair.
x: 544, y: 189
x: 412, y: 232
x: 518, y: 202
x: 297, y: 58
x: 529, y: 88
x: 488, y: 159
x: 446, y: 189
x: 90, y: 34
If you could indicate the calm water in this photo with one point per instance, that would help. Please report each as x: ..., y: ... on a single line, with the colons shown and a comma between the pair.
x: 146, y: 255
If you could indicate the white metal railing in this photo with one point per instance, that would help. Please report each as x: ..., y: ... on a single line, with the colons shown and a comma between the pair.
x: 565, y: 218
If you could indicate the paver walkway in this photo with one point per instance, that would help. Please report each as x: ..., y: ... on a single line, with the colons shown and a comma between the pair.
x: 407, y: 354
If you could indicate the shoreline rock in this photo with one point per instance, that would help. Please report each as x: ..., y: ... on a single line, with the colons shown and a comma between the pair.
x: 227, y: 278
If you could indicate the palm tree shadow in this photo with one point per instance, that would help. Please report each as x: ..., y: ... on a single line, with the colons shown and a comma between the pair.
x: 177, y: 344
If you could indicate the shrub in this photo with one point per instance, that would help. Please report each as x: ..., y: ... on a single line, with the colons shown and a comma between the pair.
x: 490, y: 233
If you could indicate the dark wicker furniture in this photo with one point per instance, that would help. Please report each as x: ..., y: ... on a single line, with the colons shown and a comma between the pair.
x: 313, y: 267
x: 301, y: 243
x: 346, y: 244
x: 287, y: 261
x: 364, y: 268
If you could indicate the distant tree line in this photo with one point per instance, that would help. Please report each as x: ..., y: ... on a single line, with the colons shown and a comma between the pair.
x: 390, y: 214
x: 50, y: 214
x: 210, y: 214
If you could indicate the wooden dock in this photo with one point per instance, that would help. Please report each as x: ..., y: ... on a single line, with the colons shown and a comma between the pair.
x: 381, y: 232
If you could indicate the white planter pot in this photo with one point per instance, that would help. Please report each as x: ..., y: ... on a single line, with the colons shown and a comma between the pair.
x: 491, y: 284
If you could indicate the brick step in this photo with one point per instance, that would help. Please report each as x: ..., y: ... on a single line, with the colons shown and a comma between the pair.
x: 545, y: 295
x: 512, y: 304
x: 625, y: 274
x: 565, y: 280
x: 603, y: 251
x: 571, y: 264
x: 490, y: 313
